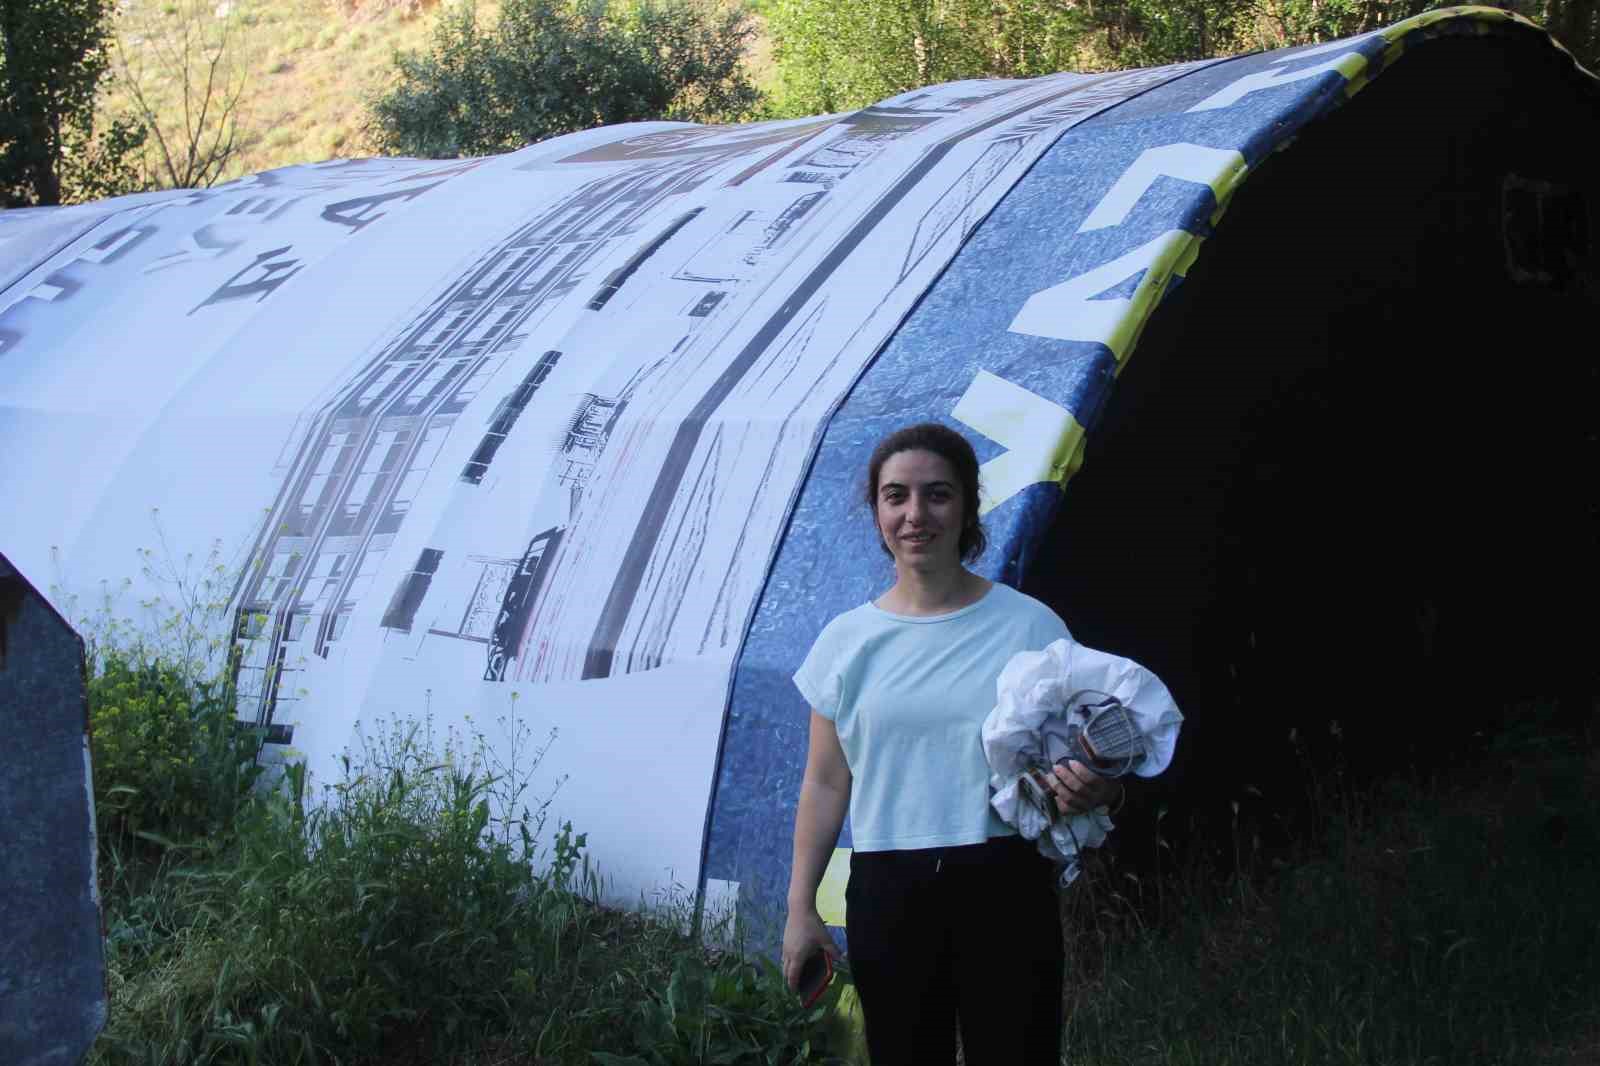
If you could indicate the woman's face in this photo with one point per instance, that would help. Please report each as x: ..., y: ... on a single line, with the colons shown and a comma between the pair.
x: 919, y: 508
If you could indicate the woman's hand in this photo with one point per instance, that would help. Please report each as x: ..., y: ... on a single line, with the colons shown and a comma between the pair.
x: 803, y: 936
x: 1079, y: 789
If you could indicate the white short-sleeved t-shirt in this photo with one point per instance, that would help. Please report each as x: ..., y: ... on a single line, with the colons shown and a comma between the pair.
x: 908, y: 696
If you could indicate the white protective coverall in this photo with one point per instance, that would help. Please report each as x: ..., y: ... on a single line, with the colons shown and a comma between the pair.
x: 1035, y: 691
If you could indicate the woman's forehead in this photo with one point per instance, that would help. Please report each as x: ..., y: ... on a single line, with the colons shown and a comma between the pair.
x: 917, y: 467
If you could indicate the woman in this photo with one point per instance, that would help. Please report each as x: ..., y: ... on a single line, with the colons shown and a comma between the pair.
x: 950, y: 915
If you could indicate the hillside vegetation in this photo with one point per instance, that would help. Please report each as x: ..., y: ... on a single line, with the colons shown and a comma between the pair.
x: 307, y: 69
x: 306, y: 72
x: 298, y: 77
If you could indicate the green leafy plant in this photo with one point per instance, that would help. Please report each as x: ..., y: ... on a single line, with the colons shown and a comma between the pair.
x: 402, y: 903
x: 547, y: 67
x: 833, y: 57
x: 412, y: 907
x: 727, y: 1011
x: 54, y: 55
x: 170, y: 762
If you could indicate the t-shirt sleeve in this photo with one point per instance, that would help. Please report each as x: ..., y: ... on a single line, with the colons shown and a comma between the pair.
x: 816, y: 679
x: 1047, y: 627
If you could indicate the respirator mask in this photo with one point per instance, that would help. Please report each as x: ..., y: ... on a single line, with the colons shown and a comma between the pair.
x: 1096, y: 729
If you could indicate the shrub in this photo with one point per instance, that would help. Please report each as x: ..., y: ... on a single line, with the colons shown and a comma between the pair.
x: 408, y: 914
x: 549, y: 67
x: 399, y: 905
x: 170, y: 762
x: 409, y: 910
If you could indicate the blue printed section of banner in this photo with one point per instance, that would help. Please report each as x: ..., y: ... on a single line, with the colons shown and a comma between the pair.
x: 1017, y: 345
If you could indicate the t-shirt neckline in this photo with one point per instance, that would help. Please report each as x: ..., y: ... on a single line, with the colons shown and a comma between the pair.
x: 945, y: 617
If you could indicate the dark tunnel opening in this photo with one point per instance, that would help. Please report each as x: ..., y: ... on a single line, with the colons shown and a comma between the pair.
x: 1344, y: 485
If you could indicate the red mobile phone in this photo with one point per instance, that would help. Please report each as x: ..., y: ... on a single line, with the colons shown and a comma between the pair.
x: 815, y: 976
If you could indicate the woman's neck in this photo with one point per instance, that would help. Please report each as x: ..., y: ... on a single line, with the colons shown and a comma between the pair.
x: 927, y: 592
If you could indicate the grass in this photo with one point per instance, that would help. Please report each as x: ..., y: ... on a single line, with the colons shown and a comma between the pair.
x: 413, y: 916
x: 402, y: 919
x: 416, y: 911
x: 308, y: 68
x: 1448, y: 921
x: 420, y: 912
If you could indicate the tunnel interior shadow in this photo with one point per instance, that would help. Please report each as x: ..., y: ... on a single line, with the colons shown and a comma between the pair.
x: 1343, y: 487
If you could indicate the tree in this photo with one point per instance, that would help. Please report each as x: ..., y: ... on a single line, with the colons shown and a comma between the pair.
x: 95, y: 166
x: 1153, y: 33
x: 53, y: 55
x: 184, y: 67
x: 549, y: 67
x: 832, y: 56
x: 1575, y: 23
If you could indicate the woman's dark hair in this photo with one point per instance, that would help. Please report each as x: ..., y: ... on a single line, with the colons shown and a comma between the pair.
x: 954, y: 449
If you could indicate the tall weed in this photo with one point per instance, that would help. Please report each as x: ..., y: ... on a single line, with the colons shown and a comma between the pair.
x: 1450, y: 920
x: 171, y: 765
x: 393, y: 909
x: 412, y: 913
x: 414, y: 910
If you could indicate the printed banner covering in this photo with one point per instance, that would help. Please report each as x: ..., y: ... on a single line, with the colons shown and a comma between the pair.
x: 568, y: 438
x: 524, y: 426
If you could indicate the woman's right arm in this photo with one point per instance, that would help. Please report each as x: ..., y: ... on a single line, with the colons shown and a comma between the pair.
x: 824, y: 799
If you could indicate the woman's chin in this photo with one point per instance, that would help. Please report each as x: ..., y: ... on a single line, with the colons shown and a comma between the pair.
x: 925, y: 559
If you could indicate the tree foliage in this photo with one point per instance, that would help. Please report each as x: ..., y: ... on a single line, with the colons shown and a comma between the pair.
x: 53, y: 55
x: 548, y: 67
x: 1575, y: 23
x: 835, y: 56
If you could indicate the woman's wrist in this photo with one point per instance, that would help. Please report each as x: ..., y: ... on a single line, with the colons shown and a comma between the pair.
x: 803, y: 904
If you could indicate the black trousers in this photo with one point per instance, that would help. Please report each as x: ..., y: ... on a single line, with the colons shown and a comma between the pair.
x: 966, y: 933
